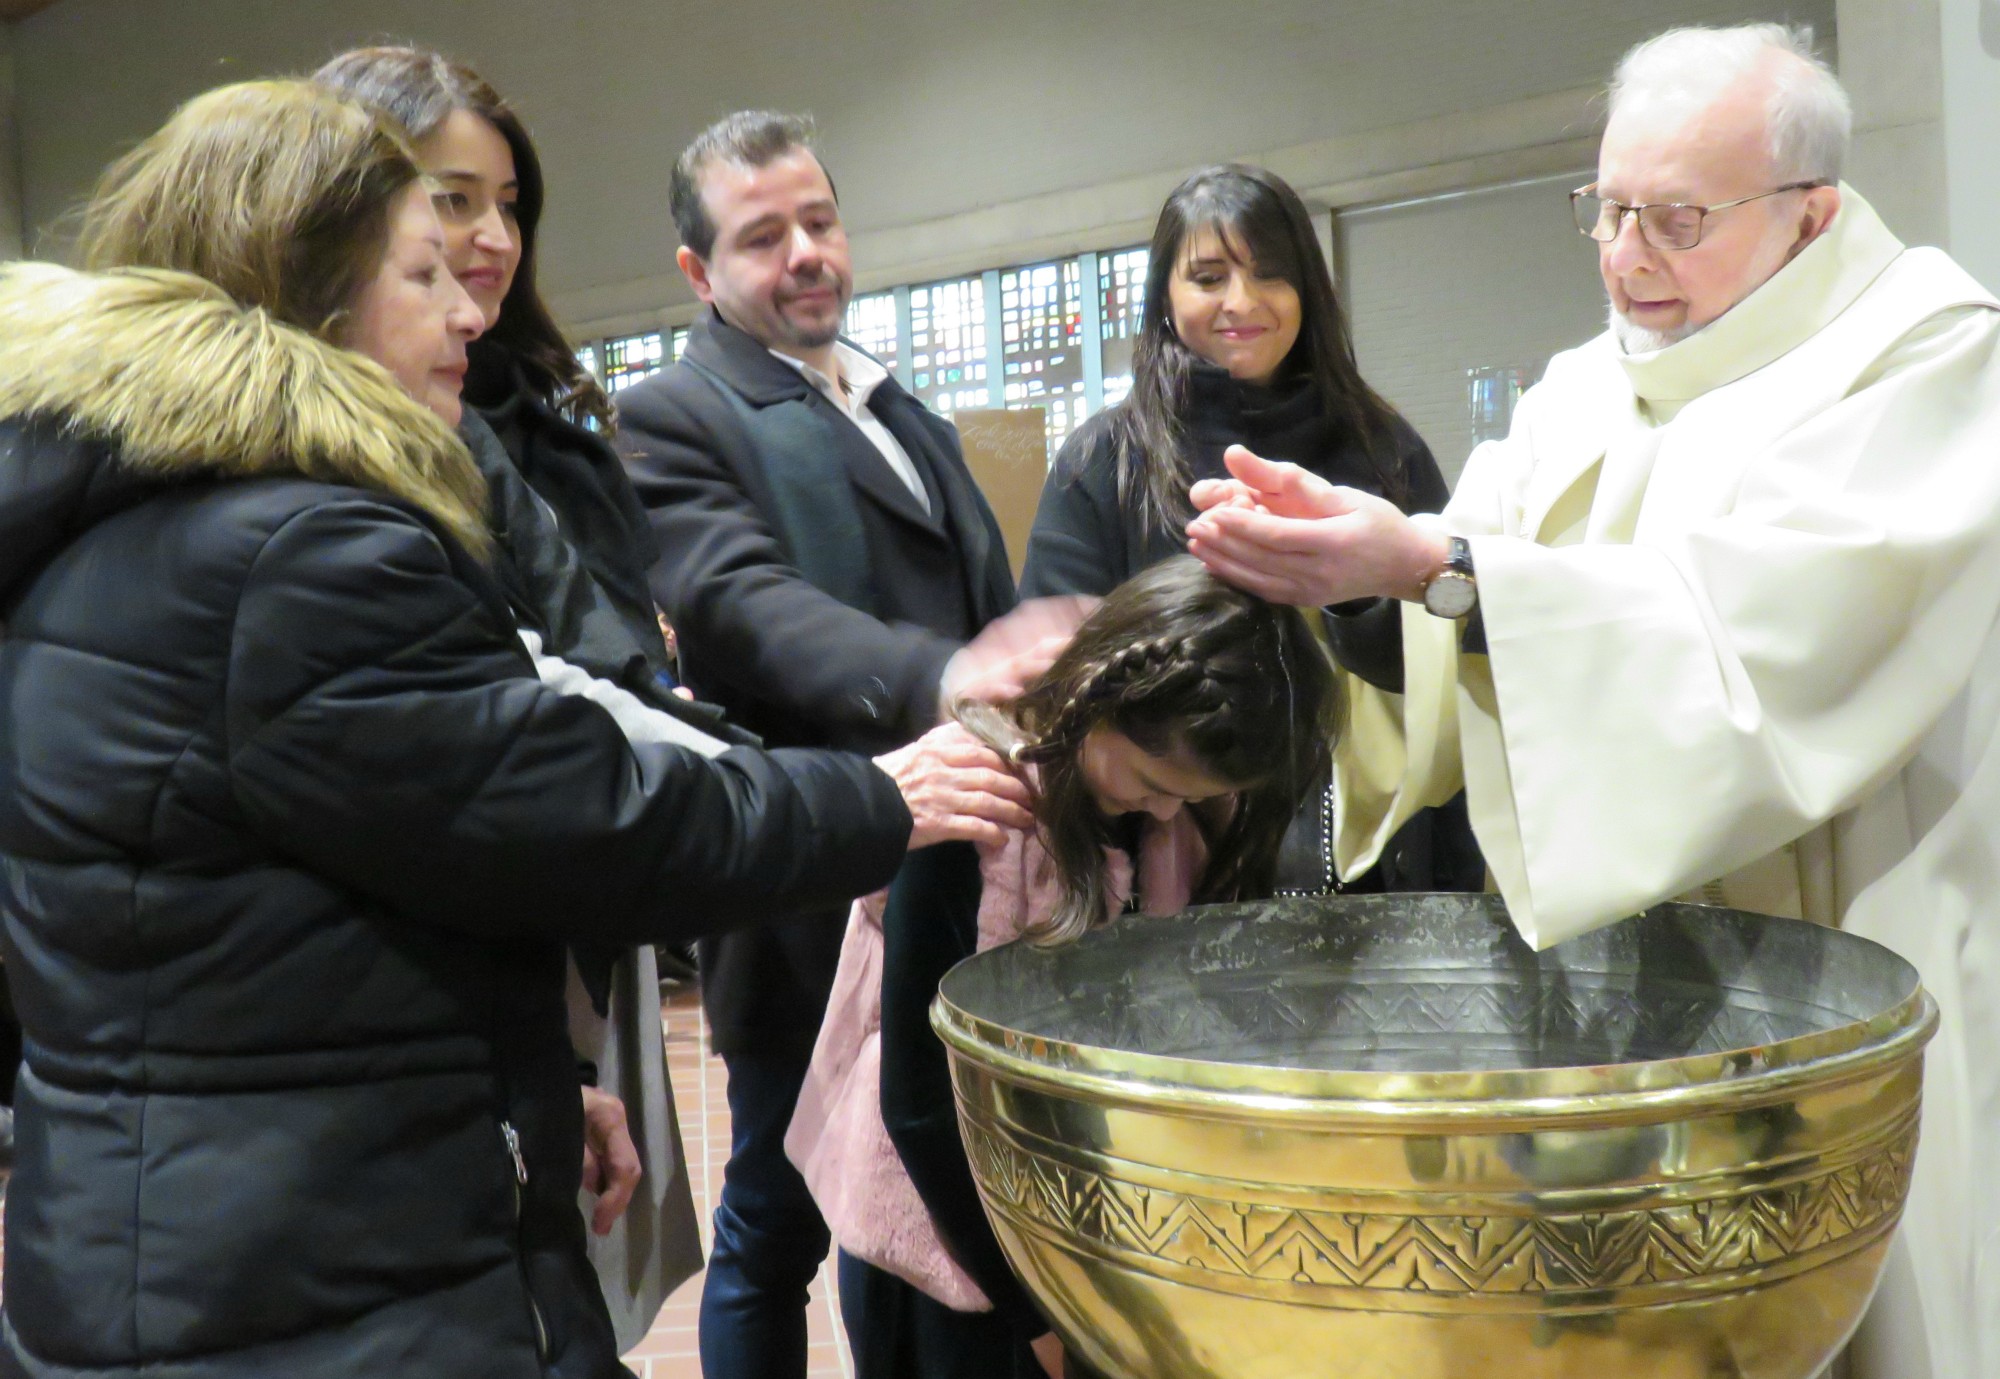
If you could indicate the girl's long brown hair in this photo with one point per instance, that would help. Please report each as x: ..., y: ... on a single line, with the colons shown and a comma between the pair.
x: 420, y: 88
x: 1183, y: 665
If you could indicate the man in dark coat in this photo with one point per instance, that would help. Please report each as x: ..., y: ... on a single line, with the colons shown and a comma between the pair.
x: 826, y: 554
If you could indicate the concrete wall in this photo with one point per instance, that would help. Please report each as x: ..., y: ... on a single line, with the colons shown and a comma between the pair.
x: 963, y: 134
x: 1970, y: 42
x: 1893, y: 71
x: 10, y: 169
x: 1434, y: 288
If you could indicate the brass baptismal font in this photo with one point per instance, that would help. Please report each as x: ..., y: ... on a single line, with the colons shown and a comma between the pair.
x: 1382, y: 1138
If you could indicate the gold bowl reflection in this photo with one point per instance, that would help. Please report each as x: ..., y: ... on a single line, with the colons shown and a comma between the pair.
x: 1381, y: 1137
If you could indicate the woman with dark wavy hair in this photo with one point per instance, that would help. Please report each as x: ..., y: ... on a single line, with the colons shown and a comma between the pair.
x: 1242, y: 342
x: 579, y: 547
x: 535, y: 408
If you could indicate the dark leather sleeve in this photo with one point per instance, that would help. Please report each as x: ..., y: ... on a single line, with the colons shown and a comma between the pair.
x: 928, y: 926
x: 553, y: 593
x: 416, y: 758
x: 1428, y: 490
x: 1078, y: 542
x: 544, y: 574
x: 756, y: 630
x: 1366, y: 637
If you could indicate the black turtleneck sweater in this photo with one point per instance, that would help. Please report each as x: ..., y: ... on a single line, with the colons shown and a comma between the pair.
x: 1084, y: 543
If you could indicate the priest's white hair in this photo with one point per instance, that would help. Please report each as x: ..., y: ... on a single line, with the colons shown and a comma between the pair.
x: 1668, y: 80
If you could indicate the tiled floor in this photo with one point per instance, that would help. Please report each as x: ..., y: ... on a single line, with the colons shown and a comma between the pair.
x: 668, y: 1352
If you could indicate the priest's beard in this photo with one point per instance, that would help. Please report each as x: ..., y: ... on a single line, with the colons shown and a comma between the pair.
x: 1636, y: 339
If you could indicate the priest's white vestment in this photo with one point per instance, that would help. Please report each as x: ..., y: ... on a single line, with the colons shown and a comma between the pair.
x: 1741, y: 603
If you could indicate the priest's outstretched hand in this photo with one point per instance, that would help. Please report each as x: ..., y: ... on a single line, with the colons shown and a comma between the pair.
x: 1289, y: 536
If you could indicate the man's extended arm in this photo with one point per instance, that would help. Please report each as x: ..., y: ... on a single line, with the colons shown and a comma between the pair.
x: 754, y: 627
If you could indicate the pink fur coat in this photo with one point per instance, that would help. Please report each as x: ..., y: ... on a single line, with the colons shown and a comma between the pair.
x: 837, y: 1138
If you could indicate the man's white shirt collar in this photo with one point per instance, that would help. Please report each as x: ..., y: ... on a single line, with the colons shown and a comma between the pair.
x: 863, y: 375
x: 861, y: 372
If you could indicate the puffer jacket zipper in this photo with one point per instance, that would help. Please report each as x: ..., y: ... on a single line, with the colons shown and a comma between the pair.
x: 513, y: 1139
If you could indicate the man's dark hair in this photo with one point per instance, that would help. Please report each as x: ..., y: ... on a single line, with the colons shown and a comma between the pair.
x: 752, y: 138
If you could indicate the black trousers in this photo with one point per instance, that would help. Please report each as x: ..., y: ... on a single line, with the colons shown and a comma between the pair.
x: 769, y: 1239
x: 897, y: 1332
x: 10, y: 1042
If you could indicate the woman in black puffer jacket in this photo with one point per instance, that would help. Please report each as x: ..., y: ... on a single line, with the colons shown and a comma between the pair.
x: 291, y: 835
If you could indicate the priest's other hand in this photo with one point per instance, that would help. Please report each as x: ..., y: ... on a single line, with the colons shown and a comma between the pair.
x: 1289, y: 536
x: 957, y: 788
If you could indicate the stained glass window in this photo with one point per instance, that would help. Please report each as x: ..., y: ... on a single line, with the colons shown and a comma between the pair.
x: 630, y: 359
x: 1043, y: 337
x: 871, y: 324
x: 948, y: 345
x: 1494, y: 391
x: 1041, y: 333
x: 1121, y: 298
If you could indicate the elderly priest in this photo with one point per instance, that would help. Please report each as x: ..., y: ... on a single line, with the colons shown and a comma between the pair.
x: 1717, y: 619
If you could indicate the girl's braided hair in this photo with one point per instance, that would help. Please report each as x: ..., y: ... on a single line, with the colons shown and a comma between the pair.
x: 1187, y: 667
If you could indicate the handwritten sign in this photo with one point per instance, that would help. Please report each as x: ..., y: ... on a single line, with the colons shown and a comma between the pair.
x: 1008, y: 454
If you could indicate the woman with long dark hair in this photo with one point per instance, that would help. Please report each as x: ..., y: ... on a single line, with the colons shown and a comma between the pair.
x: 577, y: 548
x: 528, y: 396
x: 1242, y: 342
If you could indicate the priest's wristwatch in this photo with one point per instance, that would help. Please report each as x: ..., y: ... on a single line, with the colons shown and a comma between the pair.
x: 1452, y: 592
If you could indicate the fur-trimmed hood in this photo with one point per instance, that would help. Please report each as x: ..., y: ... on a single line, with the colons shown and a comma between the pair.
x: 152, y: 375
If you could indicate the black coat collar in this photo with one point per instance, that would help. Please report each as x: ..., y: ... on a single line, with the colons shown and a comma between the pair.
x: 764, y: 380
x: 760, y: 376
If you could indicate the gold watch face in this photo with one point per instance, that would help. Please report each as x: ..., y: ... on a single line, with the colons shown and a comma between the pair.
x: 1450, y: 595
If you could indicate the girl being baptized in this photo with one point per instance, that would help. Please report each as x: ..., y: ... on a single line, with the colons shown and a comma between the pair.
x: 1166, y: 750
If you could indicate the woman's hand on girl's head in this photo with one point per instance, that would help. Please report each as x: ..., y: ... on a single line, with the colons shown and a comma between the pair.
x: 957, y: 789
x: 1048, y: 1350
x: 996, y: 678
